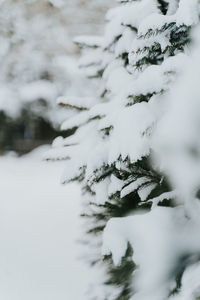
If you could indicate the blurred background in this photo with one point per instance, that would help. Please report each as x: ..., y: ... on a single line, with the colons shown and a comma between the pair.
x: 38, y: 64
x: 39, y: 218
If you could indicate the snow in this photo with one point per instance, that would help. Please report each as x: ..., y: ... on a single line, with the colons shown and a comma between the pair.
x: 125, y: 42
x: 155, y: 21
x: 145, y: 191
x: 166, y: 240
x: 101, y: 191
x: 118, y: 79
x: 133, y: 186
x: 173, y: 6
x: 124, y: 128
x: 135, y: 143
x: 190, y: 284
x: 171, y: 235
x: 187, y: 12
x: 132, y: 13
x: 162, y: 197
x: 156, y: 78
x: 89, y: 41
x: 57, y: 3
x: 75, y: 121
x: 39, y: 228
x: 41, y: 89
x: 6, y: 102
x: 115, y: 185
x: 175, y: 140
x: 37, y: 53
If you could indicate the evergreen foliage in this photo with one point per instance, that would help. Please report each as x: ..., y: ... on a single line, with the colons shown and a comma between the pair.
x: 135, y: 63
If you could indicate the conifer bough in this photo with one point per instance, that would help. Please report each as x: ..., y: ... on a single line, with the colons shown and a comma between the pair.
x: 133, y: 223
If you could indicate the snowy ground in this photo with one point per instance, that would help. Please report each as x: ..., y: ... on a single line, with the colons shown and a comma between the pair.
x: 39, y: 224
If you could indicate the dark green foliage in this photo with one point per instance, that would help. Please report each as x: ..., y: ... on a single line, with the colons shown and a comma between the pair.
x: 179, y: 37
x: 163, y: 6
x: 139, y: 98
x: 184, y: 261
x: 125, y: 59
x: 120, y: 276
x: 122, y: 273
x: 116, y: 205
x: 24, y: 133
x: 152, y: 57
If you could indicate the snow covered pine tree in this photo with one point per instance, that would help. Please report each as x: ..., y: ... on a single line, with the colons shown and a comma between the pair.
x: 135, y: 64
x: 29, y: 85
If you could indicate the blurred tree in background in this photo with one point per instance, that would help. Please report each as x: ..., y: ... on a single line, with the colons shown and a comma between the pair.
x: 38, y: 64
